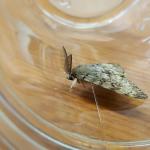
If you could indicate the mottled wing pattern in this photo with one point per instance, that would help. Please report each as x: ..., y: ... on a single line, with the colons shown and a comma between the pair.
x: 109, y: 76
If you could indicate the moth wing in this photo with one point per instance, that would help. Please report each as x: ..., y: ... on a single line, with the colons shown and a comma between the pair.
x: 122, y: 86
x: 108, y: 76
x: 114, y: 80
x: 128, y: 88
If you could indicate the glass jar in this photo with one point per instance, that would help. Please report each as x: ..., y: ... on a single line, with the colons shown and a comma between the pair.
x: 38, y: 108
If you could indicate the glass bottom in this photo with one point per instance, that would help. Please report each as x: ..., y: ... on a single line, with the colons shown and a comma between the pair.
x: 36, y: 95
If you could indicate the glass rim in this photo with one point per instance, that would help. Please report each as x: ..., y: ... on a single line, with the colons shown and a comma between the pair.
x: 54, y: 14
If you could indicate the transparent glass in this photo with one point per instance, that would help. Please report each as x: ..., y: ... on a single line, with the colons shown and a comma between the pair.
x: 39, y: 109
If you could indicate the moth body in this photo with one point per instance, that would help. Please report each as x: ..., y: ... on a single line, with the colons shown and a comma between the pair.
x: 109, y: 76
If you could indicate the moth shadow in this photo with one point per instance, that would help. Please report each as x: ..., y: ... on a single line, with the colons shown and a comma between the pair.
x: 107, y: 99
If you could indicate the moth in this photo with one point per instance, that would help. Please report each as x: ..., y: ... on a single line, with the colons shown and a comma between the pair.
x: 109, y: 76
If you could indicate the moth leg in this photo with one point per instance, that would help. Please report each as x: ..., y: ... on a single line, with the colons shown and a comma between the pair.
x: 96, y: 102
x: 73, y: 83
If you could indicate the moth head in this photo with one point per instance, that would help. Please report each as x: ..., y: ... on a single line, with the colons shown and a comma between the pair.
x: 68, y: 65
x: 70, y: 77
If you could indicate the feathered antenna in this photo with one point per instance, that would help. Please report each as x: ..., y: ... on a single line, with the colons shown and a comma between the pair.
x: 68, y: 62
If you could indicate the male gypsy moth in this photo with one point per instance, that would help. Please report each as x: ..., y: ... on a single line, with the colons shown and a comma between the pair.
x: 109, y: 76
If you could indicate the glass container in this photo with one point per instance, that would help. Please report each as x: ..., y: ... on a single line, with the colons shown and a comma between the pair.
x: 39, y: 110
